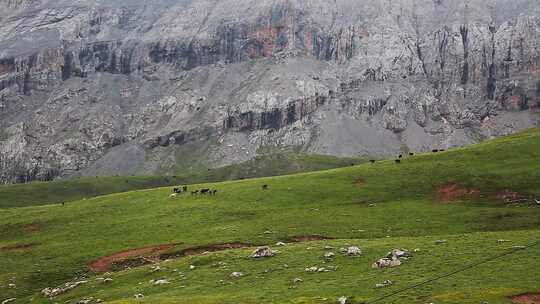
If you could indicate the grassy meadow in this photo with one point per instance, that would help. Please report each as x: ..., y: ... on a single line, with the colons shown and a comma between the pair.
x: 43, y: 193
x: 458, y: 196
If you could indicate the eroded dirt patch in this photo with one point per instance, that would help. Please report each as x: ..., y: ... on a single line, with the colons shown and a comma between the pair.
x: 204, y: 249
x: 527, y: 298
x: 452, y: 192
x: 150, y: 252
x: 308, y: 238
x: 153, y: 254
x: 19, y: 246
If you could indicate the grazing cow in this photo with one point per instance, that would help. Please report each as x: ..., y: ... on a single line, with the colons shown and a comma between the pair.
x: 185, y: 188
x: 400, y: 156
x: 352, y: 165
x: 205, y: 191
x: 195, y: 192
x: 372, y: 161
x: 63, y: 204
x: 398, y: 161
x: 213, y: 192
x: 265, y: 187
x: 434, y: 150
x: 442, y: 150
x: 175, y: 190
x: 411, y: 154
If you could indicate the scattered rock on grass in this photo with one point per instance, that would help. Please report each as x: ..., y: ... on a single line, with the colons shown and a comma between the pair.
x: 342, y: 300
x: 329, y: 255
x: 316, y: 269
x: 138, y: 296
x: 384, y: 284
x: 161, y: 282
x: 52, y: 292
x: 440, y: 242
x: 393, y: 258
x: 312, y: 269
x: 280, y: 244
x: 236, y: 275
x: 386, y: 262
x: 297, y: 280
x: 9, y: 300
x: 353, y: 251
x: 322, y: 269
x: 399, y: 254
x: 263, y: 252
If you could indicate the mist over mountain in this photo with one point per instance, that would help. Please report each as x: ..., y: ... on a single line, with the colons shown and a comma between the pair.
x: 146, y: 87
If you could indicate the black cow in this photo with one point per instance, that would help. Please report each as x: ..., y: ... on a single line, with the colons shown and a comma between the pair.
x: 372, y: 161
x: 442, y: 150
x: 400, y: 156
x: 175, y: 190
x: 411, y: 154
x: 205, y: 191
x: 195, y: 192
x: 185, y: 188
x: 435, y: 151
x: 213, y: 192
x: 398, y: 161
x: 265, y: 187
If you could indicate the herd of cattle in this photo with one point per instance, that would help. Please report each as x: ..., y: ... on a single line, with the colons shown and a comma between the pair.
x: 398, y: 160
x: 208, y: 191
x: 204, y: 191
x: 184, y: 189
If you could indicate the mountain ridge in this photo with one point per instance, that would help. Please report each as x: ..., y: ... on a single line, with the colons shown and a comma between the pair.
x: 86, y: 85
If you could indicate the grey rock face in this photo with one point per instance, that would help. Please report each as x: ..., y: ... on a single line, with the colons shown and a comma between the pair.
x: 105, y: 87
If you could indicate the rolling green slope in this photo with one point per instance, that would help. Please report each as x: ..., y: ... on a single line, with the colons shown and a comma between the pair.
x: 458, y: 195
x: 42, y: 193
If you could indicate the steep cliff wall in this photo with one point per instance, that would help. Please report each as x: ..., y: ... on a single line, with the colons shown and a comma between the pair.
x: 85, y: 83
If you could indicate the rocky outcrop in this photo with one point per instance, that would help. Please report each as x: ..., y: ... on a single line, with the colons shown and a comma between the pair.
x: 84, y: 85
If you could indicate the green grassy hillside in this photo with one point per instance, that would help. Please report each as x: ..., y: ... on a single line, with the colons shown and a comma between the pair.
x: 42, y: 193
x: 459, y: 196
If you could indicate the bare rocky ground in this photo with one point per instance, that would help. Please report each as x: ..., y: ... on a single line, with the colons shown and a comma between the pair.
x: 136, y: 87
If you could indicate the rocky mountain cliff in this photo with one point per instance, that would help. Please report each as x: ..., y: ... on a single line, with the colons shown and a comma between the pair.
x: 104, y: 87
